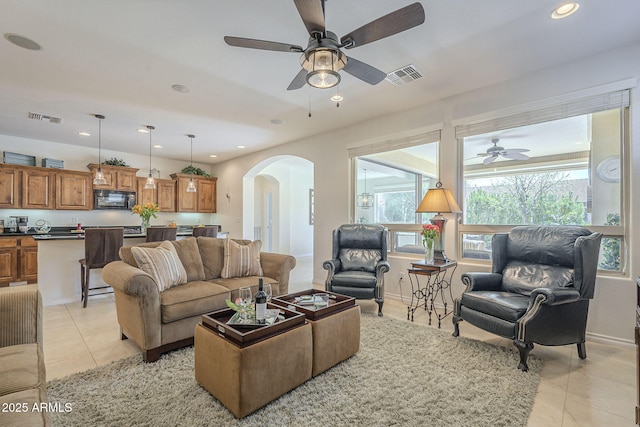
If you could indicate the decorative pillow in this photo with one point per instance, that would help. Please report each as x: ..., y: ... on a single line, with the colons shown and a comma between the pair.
x: 162, y: 263
x: 241, y: 260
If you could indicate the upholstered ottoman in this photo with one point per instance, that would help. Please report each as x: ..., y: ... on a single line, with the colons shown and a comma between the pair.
x: 336, y: 337
x: 246, y: 378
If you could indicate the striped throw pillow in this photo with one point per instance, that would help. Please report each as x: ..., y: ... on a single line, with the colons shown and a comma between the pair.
x: 162, y: 263
x: 241, y: 260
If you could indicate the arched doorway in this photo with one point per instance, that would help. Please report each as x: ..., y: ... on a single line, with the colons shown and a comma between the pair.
x: 278, y: 203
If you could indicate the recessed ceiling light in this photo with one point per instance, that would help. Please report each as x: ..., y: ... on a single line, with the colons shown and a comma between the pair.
x: 276, y: 122
x: 241, y: 146
x: 564, y: 10
x: 213, y: 155
x: 181, y: 88
x: 22, y: 41
x: 143, y: 130
x: 157, y: 146
x: 84, y: 134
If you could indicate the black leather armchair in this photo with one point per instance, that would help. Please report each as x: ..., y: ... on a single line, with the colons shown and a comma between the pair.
x: 359, y: 262
x: 538, y: 290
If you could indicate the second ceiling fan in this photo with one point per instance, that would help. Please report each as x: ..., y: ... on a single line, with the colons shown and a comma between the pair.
x: 510, y: 153
x: 323, y: 58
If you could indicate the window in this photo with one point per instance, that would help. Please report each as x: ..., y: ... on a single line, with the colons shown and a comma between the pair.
x: 390, y: 180
x: 563, y: 168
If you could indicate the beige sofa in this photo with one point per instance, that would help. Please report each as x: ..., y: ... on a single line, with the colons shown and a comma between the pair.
x: 163, y: 321
x: 22, y: 372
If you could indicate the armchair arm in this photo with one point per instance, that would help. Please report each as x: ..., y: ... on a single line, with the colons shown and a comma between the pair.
x: 556, y: 296
x: 482, y: 281
x: 278, y: 267
x: 20, y: 315
x: 381, y: 268
x: 331, y: 266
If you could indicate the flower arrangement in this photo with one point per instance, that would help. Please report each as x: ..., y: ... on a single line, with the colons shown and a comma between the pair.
x: 429, y: 234
x: 146, y: 211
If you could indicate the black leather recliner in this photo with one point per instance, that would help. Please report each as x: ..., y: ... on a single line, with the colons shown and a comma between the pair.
x: 539, y: 288
x: 359, y: 262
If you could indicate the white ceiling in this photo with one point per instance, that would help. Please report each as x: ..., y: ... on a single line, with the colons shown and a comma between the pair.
x: 121, y: 57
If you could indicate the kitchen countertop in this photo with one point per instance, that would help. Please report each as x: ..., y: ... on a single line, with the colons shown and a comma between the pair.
x: 67, y: 233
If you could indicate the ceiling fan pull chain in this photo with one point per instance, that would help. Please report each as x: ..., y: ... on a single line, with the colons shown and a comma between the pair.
x: 309, y: 93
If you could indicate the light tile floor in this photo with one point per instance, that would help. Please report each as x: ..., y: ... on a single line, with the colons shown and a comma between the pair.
x: 598, y: 391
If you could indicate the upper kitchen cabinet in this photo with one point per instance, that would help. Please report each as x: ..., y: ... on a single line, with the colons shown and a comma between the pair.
x: 9, y: 187
x: 203, y: 200
x: 38, y: 188
x: 74, y: 190
x: 26, y: 187
x: 164, y: 194
x: 117, y: 177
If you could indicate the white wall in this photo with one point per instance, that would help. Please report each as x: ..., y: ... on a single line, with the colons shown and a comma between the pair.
x: 77, y: 158
x: 612, y: 311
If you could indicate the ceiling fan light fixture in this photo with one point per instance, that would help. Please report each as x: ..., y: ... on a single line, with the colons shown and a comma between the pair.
x: 323, y: 66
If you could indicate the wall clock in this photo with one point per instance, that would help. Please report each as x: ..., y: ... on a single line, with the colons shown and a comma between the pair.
x: 608, y: 169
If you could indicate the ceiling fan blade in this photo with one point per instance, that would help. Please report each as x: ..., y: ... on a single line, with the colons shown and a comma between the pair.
x: 299, y: 80
x: 490, y: 159
x: 312, y: 14
x: 364, y: 72
x: 516, y: 150
x: 261, y: 44
x: 515, y: 156
x: 388, y: 25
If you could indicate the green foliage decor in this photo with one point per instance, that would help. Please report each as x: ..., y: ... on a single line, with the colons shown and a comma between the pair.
x: 115, y: 162
x: 192, y: 170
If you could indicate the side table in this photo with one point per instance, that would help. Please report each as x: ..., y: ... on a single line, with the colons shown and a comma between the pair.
x: 435, y: 282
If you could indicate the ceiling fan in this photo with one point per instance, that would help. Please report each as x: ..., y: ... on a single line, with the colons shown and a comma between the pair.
x: 495, y: 151
x: 323, y: 57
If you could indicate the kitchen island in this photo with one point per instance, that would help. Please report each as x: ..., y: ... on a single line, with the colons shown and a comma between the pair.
x: 58, y: 266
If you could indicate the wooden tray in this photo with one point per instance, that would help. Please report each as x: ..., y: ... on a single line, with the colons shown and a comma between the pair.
x: 337, y: 302
x: 217, y: 321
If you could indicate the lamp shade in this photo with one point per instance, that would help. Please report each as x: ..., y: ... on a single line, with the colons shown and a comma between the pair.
x: 438, y: 200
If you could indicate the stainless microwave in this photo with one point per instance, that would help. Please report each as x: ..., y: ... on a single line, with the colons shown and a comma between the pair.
x: 114, y: 199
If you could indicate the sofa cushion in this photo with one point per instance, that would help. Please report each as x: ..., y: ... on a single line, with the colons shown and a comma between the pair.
x: 241, y: 260
x: 127, y: 256
x: 191, y: 299
x: 212, y: 255
x: 162, y: 263
x: 189, y: 254
x: 235, y: 283
x: 30, y: 397
x: 21, y: 368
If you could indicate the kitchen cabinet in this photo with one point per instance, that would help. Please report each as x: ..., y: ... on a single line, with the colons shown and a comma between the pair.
x: 37, y: 188
x: 117, y: 177
x: 18, y: 260
x: 203, y: 200
x: 26, y: 187
x: 74, y: 190
x: 9, y: 187
x: 164, y: 194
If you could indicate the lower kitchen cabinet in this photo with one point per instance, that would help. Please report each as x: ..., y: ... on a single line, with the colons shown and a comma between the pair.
x: 18, y: 260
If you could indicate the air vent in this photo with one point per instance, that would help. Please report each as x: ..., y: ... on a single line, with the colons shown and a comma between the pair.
x: 45, y: 118
x: 403, y: 75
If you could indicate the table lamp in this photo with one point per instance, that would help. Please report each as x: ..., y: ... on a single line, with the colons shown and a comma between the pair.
x: 439, y: 200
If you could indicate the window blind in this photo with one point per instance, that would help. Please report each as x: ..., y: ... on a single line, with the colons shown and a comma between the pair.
x: 591, y: 104
x: 395, y: 144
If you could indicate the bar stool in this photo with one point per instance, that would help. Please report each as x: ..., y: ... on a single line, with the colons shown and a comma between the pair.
x: 160, y: 234
x: 101, y: 246
x: 206, y: 231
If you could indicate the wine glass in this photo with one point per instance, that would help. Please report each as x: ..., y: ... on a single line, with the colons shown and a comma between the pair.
x: 267, y: 290
x: 244, y: 300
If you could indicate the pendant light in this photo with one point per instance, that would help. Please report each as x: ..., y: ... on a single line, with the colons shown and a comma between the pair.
x: 191, y: 187
x: 365, y: 201
x: 150, y: 184
x: 99, y: 178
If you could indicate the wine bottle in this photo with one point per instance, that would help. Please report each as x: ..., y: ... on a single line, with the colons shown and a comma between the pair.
x: 261, y: 303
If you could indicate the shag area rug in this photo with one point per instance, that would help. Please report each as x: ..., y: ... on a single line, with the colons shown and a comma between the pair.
x: 404, y: 375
